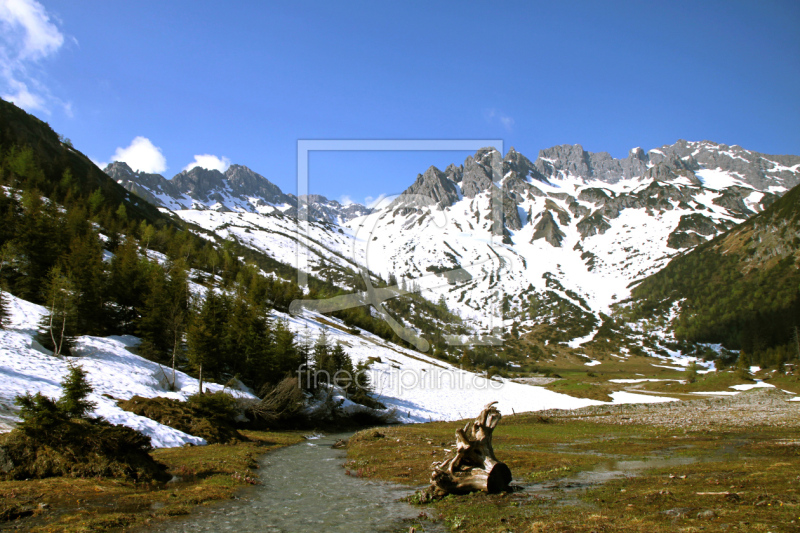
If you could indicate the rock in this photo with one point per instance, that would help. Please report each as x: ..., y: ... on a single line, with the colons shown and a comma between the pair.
x: 678, y: 512
x: 548, y: 229
x: 6, y: 464
x: 708, y: 514
x: 431, y: 188
x: 593, y: 224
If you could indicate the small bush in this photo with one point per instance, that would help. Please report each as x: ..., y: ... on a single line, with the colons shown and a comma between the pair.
x: 56, y: 438
x: 280, y: 404
x: 209, y: 416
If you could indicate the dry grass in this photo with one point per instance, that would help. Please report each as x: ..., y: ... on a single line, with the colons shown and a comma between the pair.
x: 207, y: 473
x: 740, y: 479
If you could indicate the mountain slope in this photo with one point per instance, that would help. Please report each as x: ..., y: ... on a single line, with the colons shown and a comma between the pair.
x: 50, y: 157
x: 741, y: 289
x: 570, y: 231
x: 556, y: 241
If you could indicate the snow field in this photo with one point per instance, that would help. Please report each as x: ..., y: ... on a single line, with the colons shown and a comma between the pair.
x: 113, y: 371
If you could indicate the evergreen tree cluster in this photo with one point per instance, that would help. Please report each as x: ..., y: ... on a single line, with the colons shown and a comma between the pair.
x: 727, y: 297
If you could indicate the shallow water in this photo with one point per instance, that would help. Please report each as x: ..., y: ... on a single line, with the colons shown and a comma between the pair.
x: 607, y: 471
x: 305, y: 489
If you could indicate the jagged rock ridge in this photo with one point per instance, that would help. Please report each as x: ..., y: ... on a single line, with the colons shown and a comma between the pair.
x: 238, y: 189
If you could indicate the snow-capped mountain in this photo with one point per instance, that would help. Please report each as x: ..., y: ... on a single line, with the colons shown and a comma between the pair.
x: 553, y: 241
x: 238, y: 189
x: 568, y: 233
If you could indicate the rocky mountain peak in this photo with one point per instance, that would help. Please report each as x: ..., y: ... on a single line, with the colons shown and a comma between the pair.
x: 479, y: 171
x: 434, y: 185
x: 201, y: 184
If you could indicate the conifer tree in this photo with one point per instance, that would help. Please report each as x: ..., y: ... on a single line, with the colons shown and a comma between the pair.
x: 206, y: 336
x: 743, y: 366
x: 153, y: 323
x: 342, y: 367
x: 85, y: 264
x: 177, y: 320
x: 249, y: 343
x: 289, y: 357
x: 127, y: 285
x: 6, y: 256
x: 323, y: 363
x: 76, y: 389
x: 691, y: 372
x: 40, y: 241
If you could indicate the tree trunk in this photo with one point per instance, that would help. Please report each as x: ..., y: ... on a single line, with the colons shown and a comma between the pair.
x: 201, y: 378
x: 473, y: 467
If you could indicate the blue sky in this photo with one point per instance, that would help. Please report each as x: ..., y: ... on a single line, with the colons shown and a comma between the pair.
x: 163, y: 82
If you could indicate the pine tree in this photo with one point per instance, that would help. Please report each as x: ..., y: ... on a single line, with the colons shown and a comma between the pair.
x: 40, y: 241
x: 96, y: 201
x: 342, y: 367
x: 127, y: 285
x: 249, y: 342
x: 85, y: 264
x: 691, y: 372
x: 743, y: 366
x: 6, y: 256
x: 76, y: 388
x: 152, y: 325
x: 323, y: 363
x: 177, y: 318
x: 289, y: 357
x: 206, y: 336
x: 303, y: 350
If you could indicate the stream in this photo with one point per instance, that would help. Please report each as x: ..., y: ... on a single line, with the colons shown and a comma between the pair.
x: 305, y: 489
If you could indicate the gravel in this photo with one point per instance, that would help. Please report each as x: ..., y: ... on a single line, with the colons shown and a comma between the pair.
x: 757, y: 407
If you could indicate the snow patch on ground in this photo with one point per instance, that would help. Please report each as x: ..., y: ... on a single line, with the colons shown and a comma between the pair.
x: 630, y: 397
x: 717, y: 393
x: 670, y: 367
x: 574, y: 343
x: 420, y: 388
x: 642, y: 380
x: 750, y: 386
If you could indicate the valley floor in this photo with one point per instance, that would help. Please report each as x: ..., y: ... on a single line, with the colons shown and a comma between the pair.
x: 721, y: 464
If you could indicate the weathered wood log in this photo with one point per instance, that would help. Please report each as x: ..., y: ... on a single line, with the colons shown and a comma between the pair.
x: 473, y: 467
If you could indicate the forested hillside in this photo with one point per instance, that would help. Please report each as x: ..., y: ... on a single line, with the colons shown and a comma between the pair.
x: 741, y: 289
x: 105, y: 262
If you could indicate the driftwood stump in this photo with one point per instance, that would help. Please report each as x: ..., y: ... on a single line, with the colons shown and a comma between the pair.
x: 473, y: 467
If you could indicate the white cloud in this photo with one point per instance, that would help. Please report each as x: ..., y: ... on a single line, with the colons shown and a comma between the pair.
x: 28, y: 20
x: 23, y: 97
x: 494, y: 116
x: 209, y: 162
x: 142, y: 155
x: 99, y: 164
x: 27, y: 36
x: 381, y: 201
x: 345, y: 200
